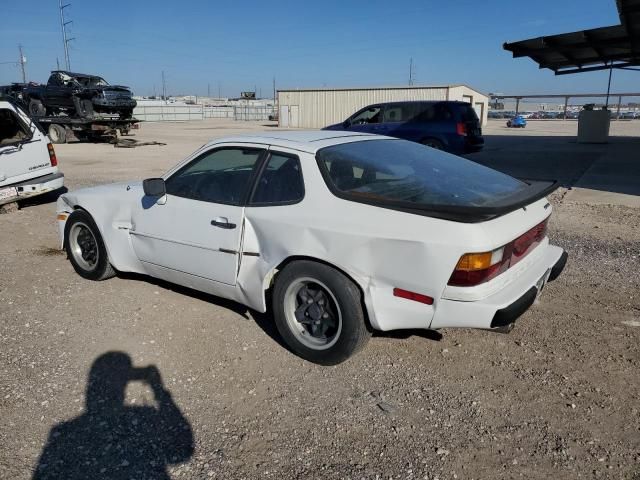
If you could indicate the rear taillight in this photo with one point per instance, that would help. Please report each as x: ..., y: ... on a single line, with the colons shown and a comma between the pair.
x: 52, y: 155
x: 461, y: 129
x: 476, y: 268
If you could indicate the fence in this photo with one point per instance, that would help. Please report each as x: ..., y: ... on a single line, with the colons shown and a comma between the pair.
x: 183, y: 113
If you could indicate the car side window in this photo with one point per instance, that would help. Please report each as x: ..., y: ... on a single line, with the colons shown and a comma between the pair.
x: 217, y: 176
x: 393, y: 113
x: 12, y: 130
x: 367, y: 116
x: 280, y: 182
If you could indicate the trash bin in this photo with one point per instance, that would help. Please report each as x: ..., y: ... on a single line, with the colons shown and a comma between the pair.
x: 593, y: 126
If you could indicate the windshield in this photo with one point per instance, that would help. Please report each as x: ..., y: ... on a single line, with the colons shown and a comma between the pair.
x: 406, y: 172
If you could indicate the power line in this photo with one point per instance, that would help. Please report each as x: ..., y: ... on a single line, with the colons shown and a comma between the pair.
x: 65, y: 40
x: 23, y: 60
x: 411, y: 71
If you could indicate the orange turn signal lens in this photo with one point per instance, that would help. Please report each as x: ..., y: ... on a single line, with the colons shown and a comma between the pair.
x: 474, y: 261
x: 479, y: 261
x: 63, y: 216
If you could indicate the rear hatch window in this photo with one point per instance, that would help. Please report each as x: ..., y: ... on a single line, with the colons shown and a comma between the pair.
x: 411, y: 177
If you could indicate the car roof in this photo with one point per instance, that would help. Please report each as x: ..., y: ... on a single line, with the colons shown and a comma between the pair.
x: 304, y: 140
x: 75, y: 74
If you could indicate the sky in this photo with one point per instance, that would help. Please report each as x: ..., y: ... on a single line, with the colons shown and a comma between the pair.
x: 234, y: 46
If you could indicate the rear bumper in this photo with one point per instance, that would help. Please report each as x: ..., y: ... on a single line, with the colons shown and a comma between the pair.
x: 505, y: 306
x: 36, y: 186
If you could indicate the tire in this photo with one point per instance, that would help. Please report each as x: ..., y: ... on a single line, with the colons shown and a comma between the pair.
x: 86, y: 109
x: 57, y: 133
x: 36, y: 108
x: 433, y: 143
x: 336, y: 327
x: 85, y: 248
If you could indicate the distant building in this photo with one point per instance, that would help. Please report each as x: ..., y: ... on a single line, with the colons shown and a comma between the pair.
x: 319, y: 107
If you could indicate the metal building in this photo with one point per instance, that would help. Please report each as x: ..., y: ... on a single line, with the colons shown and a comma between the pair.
x: 319, y: 107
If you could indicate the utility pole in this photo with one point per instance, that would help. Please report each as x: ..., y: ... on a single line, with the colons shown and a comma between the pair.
x: 164, y: 88
x: 22, y: 62
x: 65, y: 40
x: 274, y: 89
x: 411, y: 71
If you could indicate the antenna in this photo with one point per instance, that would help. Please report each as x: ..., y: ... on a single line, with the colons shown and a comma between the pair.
x: 65, y: 40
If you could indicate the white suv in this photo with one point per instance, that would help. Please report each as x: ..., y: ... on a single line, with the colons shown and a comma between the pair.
x: 28, y: 164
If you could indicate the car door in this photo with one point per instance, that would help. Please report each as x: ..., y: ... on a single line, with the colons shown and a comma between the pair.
x: 196, y: 228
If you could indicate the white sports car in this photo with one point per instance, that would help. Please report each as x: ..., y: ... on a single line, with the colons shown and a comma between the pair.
x: 345, y: 232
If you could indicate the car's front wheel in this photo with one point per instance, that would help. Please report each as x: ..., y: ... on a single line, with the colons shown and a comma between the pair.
x: 85, y: 247
x: 318, y: 312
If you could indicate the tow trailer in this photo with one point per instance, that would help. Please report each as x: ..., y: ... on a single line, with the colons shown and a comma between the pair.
x: 62, y: 129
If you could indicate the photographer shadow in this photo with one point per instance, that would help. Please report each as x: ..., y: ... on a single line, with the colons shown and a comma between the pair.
x: 111, y: 440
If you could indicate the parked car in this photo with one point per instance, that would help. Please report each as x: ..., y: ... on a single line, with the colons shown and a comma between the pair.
x: 345, y: 232
x: 79, y: 95
x: 450, y: 126
x: 517, y: 122
x: 28, y: 163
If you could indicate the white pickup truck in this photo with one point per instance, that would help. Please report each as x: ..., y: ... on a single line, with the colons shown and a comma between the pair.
x: 28, y: 163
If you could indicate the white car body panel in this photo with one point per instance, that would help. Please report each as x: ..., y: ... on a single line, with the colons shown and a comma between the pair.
x: 25, y: 169
x: 380, y: 249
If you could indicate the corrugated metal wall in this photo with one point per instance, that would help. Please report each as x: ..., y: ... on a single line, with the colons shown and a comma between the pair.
x: 319, y: 108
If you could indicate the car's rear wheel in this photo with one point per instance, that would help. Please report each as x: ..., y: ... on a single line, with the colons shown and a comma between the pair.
x: 36, y: 108
x: 85, y: 247
x: 57, y: 133
x: 318, y: 312
x: 433, y: 143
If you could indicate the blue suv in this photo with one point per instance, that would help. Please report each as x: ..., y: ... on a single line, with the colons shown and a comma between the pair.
x: 445, y: 125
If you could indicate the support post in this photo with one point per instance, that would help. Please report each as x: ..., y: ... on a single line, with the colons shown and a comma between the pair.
x: 517, y: 105
x: 618, y: 109
x: 566, y: 101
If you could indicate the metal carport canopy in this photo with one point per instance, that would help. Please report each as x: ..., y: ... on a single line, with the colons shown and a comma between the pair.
x: 602, y: 48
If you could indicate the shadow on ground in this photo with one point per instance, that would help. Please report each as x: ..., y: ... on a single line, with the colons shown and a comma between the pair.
x: 111, y: 440
x: 611, y: 167
x: 49, y: 197
x: 264, y: 320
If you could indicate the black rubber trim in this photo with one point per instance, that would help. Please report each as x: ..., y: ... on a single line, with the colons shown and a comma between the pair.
x: 44, y: 179
x: 509, y: 314
x: 558, y: 267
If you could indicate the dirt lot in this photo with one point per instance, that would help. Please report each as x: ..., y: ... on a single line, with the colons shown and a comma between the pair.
x: 559, y: 397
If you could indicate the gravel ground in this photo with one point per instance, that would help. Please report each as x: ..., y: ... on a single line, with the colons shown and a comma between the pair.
x: 559, y: 397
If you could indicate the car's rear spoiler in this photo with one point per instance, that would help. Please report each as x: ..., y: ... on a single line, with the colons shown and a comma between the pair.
x: 536, y: 190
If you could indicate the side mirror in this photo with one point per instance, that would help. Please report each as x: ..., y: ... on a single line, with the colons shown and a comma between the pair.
x: 154, y: 187
x: 346, y: 123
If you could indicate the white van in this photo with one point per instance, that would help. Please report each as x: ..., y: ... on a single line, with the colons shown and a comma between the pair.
x: 28, y: 164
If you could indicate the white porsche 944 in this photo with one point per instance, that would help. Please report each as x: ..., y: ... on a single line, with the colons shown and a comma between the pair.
x: 344, y: 232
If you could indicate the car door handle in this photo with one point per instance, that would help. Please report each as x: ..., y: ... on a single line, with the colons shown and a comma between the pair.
x: 223, y: 222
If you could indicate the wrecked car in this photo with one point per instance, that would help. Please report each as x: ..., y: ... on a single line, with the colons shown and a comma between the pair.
x: 344, y: 232
x: 28, y: 163
x: 78, y: 94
